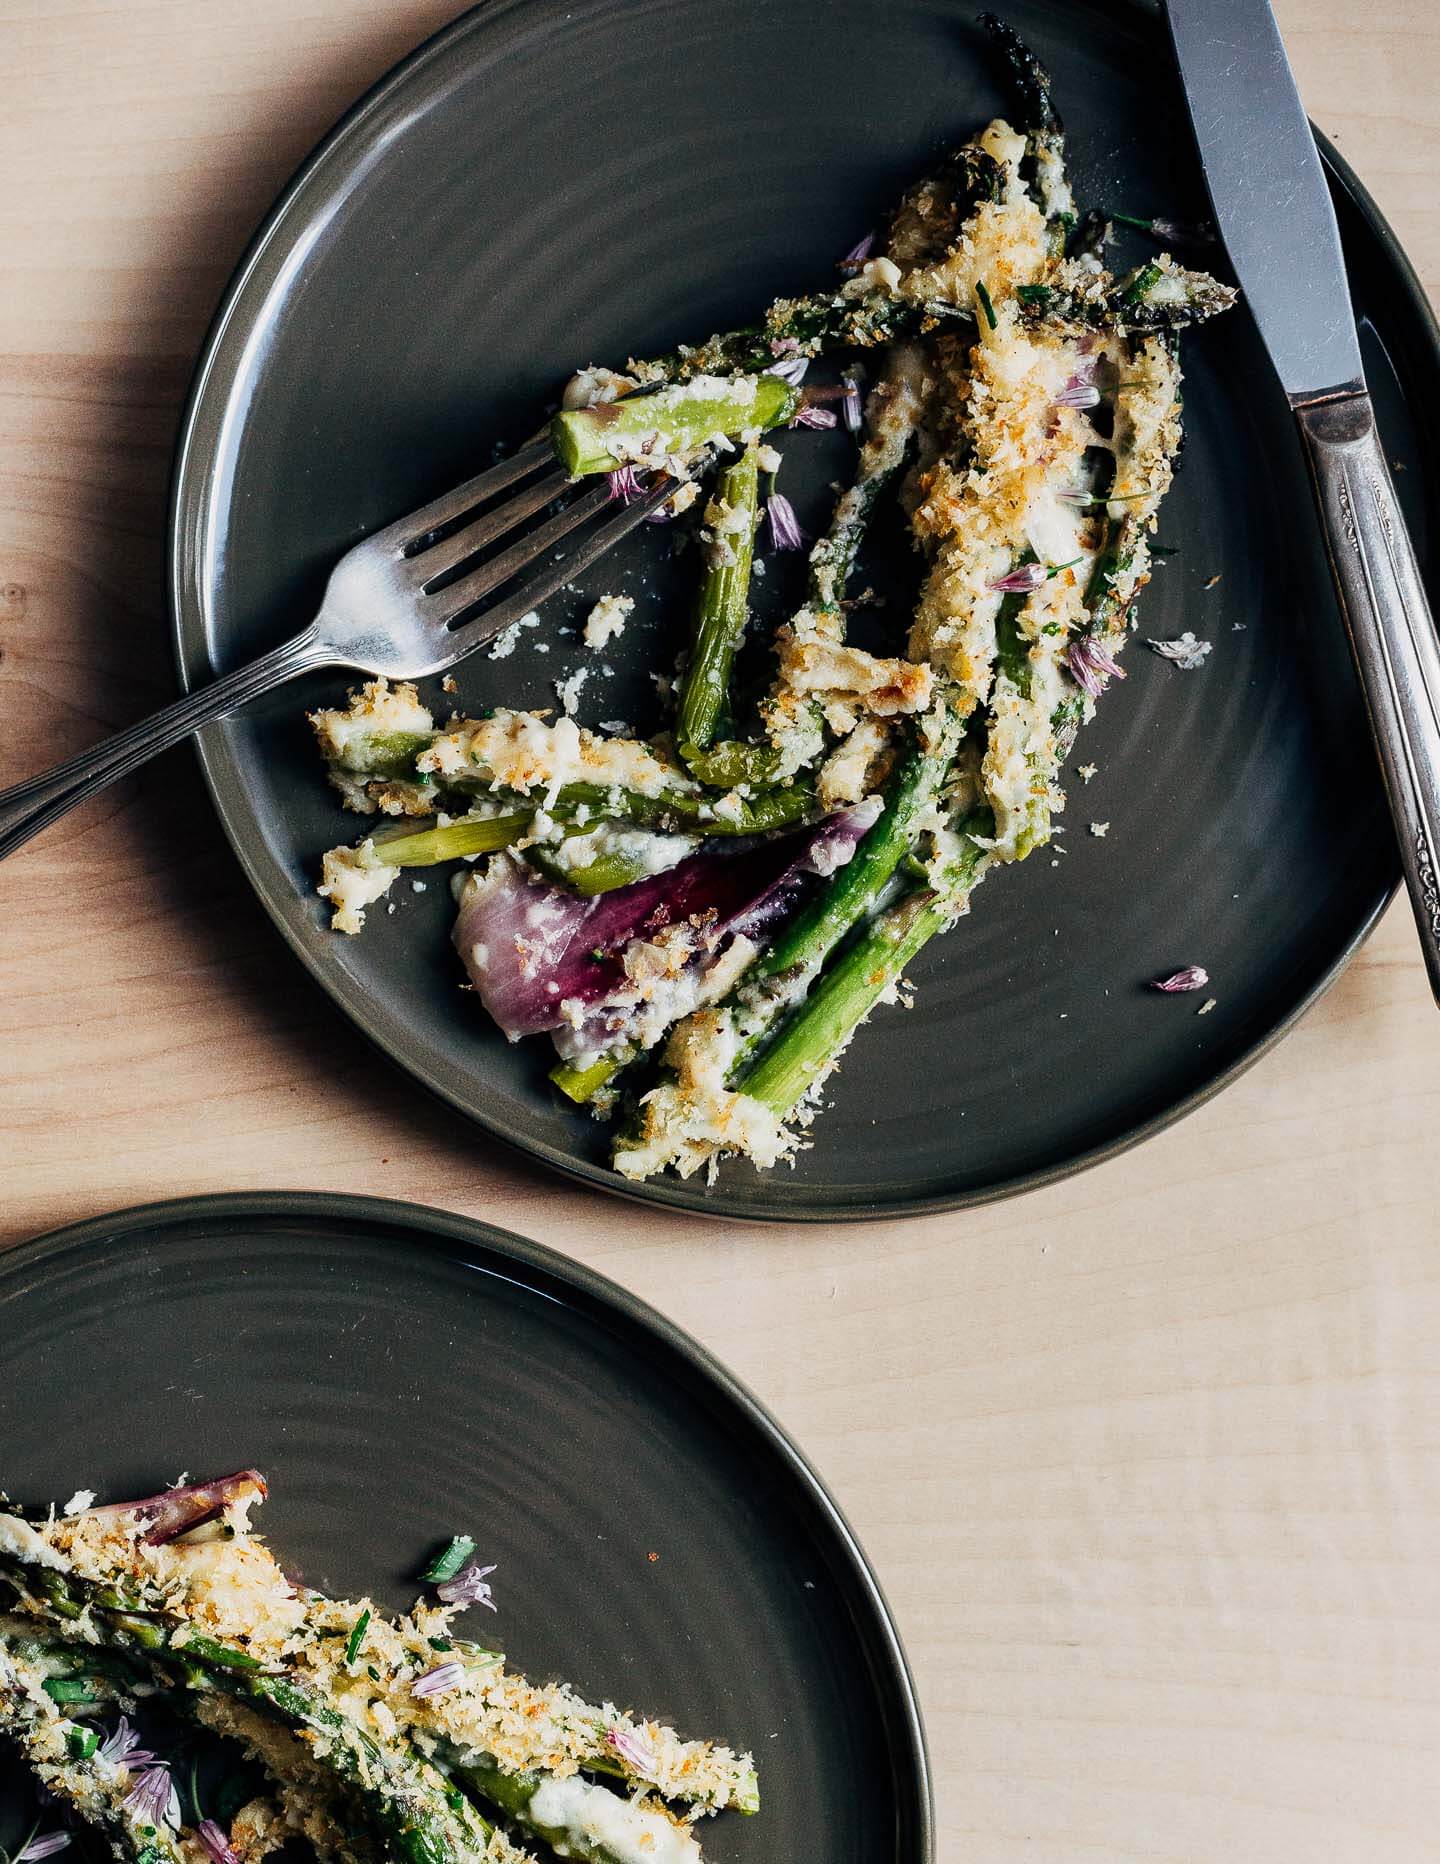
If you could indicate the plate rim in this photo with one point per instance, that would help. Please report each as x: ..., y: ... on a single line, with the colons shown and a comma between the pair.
x: 480, y: 1243
x: 186, y: 502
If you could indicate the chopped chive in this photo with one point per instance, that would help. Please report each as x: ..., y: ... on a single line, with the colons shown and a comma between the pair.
x: 985, y: 305
x: 1034, y: 294
x: 1164, y: 550
x: 1142, y: 284
x: 372, y: 1673
x: 81, y: 1742
x: 447, y: 1564
x: 357, y: 1636
x: 67, y: 1689
x: 439, y: 1643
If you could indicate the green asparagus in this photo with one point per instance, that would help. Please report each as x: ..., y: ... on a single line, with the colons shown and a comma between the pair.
x: 649, y: 429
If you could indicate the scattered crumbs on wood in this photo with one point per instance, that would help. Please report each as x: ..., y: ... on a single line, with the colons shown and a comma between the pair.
x: 1237, y: 627
x: 1087, y: 771
x: 1099, y: 830
x: 1212, y: 582
x: 449, y: 684
x: 1397, y: 465
x: 652, y: 1557
x: 1206, y: 1007
x: 417, y: 886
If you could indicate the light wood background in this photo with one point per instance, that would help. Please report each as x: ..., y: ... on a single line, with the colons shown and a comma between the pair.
x: 1149, y: 1462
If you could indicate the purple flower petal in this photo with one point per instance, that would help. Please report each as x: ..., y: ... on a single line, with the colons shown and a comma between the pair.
x: 468, y: 1587
x: 1078, y: 393
x: 1019, y: 581
x: 810, y: 416
x: 436, y: 1682
x: 215, y: 1842
x: 785, y: 531
x: 791, y: 369
x: 634, y: 1748
x: 1192, y: 977
x: 1091, y: 665
x: 784, y: 346
x: 148, y: 1801
x: 858, y: 254
x: 623, y: 484
x: 850, y: 407
x: 121, y: 1747
x: 43, y: 1846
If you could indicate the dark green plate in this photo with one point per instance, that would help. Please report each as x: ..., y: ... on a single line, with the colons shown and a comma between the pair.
x: 544, y: 185
x: 400, y: 1375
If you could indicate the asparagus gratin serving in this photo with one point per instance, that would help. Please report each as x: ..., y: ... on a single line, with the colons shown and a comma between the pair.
x: 699, y: 922
x: 368, y: 1735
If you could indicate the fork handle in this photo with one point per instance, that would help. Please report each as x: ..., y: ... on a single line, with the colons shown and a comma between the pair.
x: 1392, y: 634
x: 28, y: 807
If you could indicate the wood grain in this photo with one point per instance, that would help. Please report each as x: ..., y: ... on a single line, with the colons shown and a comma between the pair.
x: 1149, y: 1462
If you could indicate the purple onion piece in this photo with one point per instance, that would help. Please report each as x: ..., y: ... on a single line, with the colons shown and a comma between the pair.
x: 1091, y: 665
x: 445, y: 1676
x: 529, y: 947
x: 176, y: 1511
x: 215, y: 1842
x: 784, y: 527
x: 1191, y: 977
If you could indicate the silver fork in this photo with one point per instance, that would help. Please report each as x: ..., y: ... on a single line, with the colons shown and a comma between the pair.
x: 408, y: 601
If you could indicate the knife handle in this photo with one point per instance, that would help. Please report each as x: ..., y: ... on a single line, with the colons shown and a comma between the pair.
x: 1391, y: 632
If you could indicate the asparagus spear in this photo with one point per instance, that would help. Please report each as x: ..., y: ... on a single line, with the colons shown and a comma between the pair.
x: 411, y: 1804
x: 723, y: 608
x: 1159, y: 296
x: 573, y: 1816
x: 68, y: 1764
x: 809, y: 1045
x: 673, y: 421
x: 679, y: 805
x: 844, y: 319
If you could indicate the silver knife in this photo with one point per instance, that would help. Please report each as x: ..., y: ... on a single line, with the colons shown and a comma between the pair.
x: 1274, y: 213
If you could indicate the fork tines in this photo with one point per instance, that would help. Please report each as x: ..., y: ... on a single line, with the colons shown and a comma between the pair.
x: 453, y: 567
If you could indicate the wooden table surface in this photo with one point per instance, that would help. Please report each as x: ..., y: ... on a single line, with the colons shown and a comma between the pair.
x: 1148, y: 1462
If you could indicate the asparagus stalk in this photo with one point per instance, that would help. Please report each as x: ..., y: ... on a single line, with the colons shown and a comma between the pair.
x: 724, y: 607
x: 411, y: 1804
x: 1159, y: 296
x: 677, y: 806
x: 809, y: 1045
x: 65, y: 1760
x: 844, y: 319
x: 578, y: 1825
x: 673, y: 421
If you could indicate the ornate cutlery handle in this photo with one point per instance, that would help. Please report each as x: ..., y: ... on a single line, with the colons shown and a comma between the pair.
x: 33, y: 804
x: 1392, y: 633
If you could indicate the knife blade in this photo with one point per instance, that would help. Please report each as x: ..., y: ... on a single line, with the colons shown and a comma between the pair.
x: 1268, y: 189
